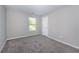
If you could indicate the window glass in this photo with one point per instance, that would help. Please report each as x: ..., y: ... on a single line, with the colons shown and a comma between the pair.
x: 32, y: 24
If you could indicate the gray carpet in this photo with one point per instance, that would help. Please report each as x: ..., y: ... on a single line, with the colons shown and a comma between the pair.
x: 36, y: 44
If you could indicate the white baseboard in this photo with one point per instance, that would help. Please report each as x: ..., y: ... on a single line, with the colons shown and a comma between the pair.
x: 22, y: 37
x: 2, y: 45
x: 63, y: 42
x: 16, y: 37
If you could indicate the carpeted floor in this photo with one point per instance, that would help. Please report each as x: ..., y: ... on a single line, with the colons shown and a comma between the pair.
x: 36, y: 44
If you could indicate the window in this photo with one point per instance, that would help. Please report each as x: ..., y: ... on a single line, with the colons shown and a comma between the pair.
x: 32, y: 24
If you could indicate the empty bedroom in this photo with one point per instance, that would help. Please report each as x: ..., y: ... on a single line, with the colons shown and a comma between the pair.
x: 39, y: 28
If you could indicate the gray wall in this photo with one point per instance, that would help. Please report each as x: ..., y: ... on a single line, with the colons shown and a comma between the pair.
x: 64, y: 25
x: 2, y: 27
x: 17, y: 24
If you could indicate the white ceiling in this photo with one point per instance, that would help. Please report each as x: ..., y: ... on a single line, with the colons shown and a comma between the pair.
x: 39, y: 10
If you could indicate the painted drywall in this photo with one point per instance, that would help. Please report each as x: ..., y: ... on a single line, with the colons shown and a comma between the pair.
x: 63, y: 25
x: 45, y: 25
x: 17, y: 24
x: 2, y: 27
x: 39, y: 10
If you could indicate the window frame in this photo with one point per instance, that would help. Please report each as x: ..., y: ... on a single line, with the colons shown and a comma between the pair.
x: 31, y: 24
